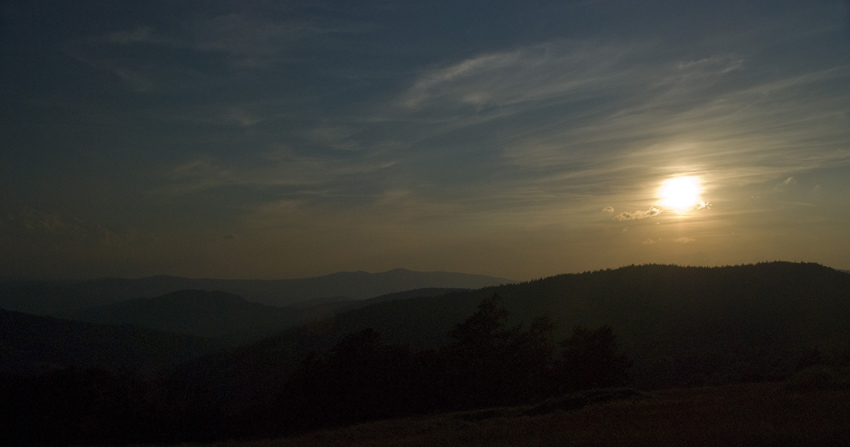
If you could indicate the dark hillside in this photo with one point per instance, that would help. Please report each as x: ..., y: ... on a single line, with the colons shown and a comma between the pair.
x: 223, y: 316
x: 680, y: 325
x: 31, y: 344
x: 199, y: 313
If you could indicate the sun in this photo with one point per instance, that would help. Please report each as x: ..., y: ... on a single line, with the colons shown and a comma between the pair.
x: 680, y: 193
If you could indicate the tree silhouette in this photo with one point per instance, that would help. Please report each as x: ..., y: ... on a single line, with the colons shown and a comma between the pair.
x: 493, y: 364
x: 361, y: 378
x: 532, y: 356
x: 486, y: 328
x: 590, y: 359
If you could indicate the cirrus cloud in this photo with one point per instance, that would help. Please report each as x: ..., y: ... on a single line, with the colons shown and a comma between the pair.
x: 639, y: 214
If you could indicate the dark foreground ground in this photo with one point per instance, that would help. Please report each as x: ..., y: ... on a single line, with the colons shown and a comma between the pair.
x: 763, y: 414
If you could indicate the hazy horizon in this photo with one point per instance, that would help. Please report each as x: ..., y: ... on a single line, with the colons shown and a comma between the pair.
x: 295, y: 139
x: 512, y: 280
x: 33, y: 278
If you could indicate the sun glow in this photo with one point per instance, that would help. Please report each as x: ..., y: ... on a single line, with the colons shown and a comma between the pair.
x: 680, y: 193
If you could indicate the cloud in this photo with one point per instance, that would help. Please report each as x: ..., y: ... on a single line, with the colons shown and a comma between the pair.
x: 536, y: 73
x: 717, y: 64
x: 246, y: 39
x: 637, y: 215
x: 134, y: 78
x: 32, y: 224
x: 684, y: 111
x: 276, y: 169
x: 708, y: 112
x: 608, y: 209
x: 685, y: 240
x: 649, y: 242
x: 240, y: 118
x: 786, y: 185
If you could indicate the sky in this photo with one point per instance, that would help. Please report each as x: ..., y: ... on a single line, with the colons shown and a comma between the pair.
x: 286, y: 139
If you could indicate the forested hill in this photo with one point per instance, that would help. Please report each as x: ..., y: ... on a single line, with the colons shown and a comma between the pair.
x: 680, y: 325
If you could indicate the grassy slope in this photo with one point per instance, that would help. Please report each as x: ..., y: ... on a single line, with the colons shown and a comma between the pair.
x: 748, y: 414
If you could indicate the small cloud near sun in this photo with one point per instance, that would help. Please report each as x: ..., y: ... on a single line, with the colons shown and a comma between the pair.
x: 637, y: 215
x: 608, y: 209
x: 787, y: 184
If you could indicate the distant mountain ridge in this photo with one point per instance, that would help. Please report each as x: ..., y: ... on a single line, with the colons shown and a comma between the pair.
x: 57, y: 297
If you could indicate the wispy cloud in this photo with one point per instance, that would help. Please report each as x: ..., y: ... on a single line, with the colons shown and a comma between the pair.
x: 539, y: 73
x: 243, y: 40
x: 252, y: 41
x: 706, y: 113
x: 639, y: 214
x: 30, y: 224
x: 277, y: 168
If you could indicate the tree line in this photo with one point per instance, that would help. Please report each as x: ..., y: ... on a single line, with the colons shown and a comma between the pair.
x: 486, y: 364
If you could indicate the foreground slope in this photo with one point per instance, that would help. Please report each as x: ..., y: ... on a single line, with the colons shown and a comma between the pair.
x: 749, y: 414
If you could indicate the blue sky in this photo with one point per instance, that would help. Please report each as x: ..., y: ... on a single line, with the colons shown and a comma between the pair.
x: 274, y: 139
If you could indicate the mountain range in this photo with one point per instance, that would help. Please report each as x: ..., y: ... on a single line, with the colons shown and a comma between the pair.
x: 680, y: 325
x: 59, y: 297
x: 126, y: 325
